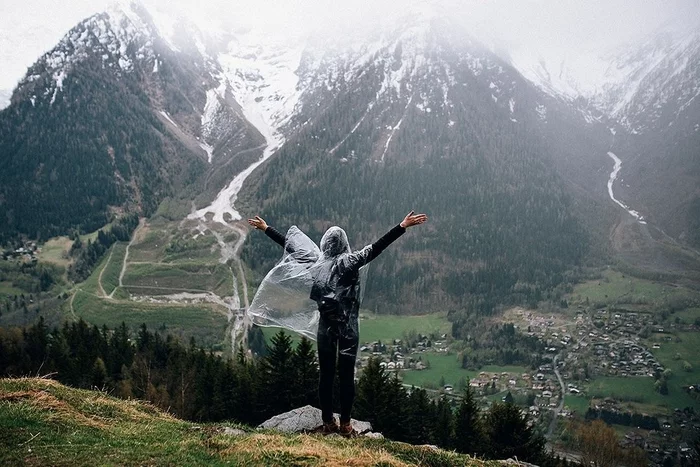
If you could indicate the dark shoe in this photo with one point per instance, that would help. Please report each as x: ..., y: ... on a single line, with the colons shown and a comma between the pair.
x: 346, y: 430
x: 329, y: 428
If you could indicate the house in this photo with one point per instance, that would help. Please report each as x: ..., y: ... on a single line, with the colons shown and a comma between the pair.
x: 546, y: 393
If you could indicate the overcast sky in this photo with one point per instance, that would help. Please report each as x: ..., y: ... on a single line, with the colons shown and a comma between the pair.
x: 29, y: 28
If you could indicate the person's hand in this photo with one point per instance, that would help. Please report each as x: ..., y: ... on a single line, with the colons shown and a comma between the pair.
x: 258, y: 223
x: 413, y: 219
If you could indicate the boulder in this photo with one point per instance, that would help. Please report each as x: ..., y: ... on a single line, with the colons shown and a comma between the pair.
x: 306, y: 418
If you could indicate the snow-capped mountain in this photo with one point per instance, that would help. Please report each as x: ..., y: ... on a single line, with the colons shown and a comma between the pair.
x: 632, y: 84
x: 113, y: 117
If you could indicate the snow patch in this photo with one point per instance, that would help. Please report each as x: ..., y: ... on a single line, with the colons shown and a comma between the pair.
x: 167, y: 117
x: 393, y: 130
x: 613, y: 176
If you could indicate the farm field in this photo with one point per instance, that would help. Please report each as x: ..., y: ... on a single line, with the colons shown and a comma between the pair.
x: 578, y: 404
x: 682, y: 347
x: 55, y: 251
x: 616, y: 287
x: 386, y: 328
x: 205, y: 322
x: 687, y: 316
x: 173, y: 278
x: 448, y: 367
x: 640, y: 390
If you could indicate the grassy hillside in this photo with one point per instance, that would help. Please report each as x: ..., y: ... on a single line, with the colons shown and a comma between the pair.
x: 46, y: 423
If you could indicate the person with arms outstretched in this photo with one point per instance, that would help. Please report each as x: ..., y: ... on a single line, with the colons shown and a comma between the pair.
x: 336, y: 291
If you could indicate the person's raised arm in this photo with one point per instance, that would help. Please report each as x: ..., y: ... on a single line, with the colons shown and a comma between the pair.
x: 259, y: 223
x: 359, y: 258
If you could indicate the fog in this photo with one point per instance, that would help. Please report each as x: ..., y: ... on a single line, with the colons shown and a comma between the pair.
x: 548, y: 28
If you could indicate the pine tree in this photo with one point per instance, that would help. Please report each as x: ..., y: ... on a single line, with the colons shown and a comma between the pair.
x: 306, y: 369
x: 443, y: 427
x: 396, y: 407
x: 420, y: 415
x: 278, y: 376
x: 99, y: 373
x: 509, y: 434
x: 370, y: 401
x: 469, y: 430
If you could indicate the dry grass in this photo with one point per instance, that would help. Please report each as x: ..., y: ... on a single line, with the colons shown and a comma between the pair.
x: 47, y: 423
x: 316, y: 450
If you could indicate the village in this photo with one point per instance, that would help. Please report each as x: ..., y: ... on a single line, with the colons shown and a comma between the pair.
x: 578, y: 349
x: 26, y: 253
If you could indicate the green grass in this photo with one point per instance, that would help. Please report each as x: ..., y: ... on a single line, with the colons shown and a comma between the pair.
x: 578, y: 404
x: 616, y: 287
x: 46, y: 423
x: 687, y: 316
x: 203, y: 249
x: 90, y: 284
x: 189, y: 276
x: 687, y: 348
x: 640, y: 390
x: 110, y: 276
x: 151, y: 247
x: 55, y: 251
x: 450, y: 368
x: 385, y: 328
x: 205, y: 322
x: 6, y: 288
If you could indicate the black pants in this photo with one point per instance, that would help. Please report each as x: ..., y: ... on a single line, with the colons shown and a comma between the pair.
x: 337, y: 341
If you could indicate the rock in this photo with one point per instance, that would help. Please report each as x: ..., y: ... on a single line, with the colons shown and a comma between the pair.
x: 227, y: 430
x: 516, y: 462
x: 306, y: 418
x: 374, y: 435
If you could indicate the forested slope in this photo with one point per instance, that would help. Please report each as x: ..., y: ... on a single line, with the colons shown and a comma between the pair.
x: 501, y: 226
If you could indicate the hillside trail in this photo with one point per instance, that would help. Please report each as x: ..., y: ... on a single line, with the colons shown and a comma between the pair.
x: 99, y: 278
x: 142, y: 222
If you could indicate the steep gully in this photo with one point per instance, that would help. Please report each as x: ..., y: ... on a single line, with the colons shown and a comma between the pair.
x: 222, y: 212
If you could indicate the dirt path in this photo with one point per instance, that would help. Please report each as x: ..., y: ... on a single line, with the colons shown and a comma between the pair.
x: 72, y: 310
x: 126, y: 255
x: 177, y: 289
x: 99, y: 278
x: 242, y: 234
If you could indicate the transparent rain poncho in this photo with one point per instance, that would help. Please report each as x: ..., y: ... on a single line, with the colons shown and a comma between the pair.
x: 311, y: 285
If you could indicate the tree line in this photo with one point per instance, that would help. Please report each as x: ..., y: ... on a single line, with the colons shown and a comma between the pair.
x: 202, y: 386
x: 88, y: 254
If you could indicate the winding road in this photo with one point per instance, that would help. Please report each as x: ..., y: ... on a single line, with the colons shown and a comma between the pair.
x: 560, y: 407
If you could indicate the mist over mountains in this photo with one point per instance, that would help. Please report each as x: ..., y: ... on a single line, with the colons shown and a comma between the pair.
x: 129, y: 110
